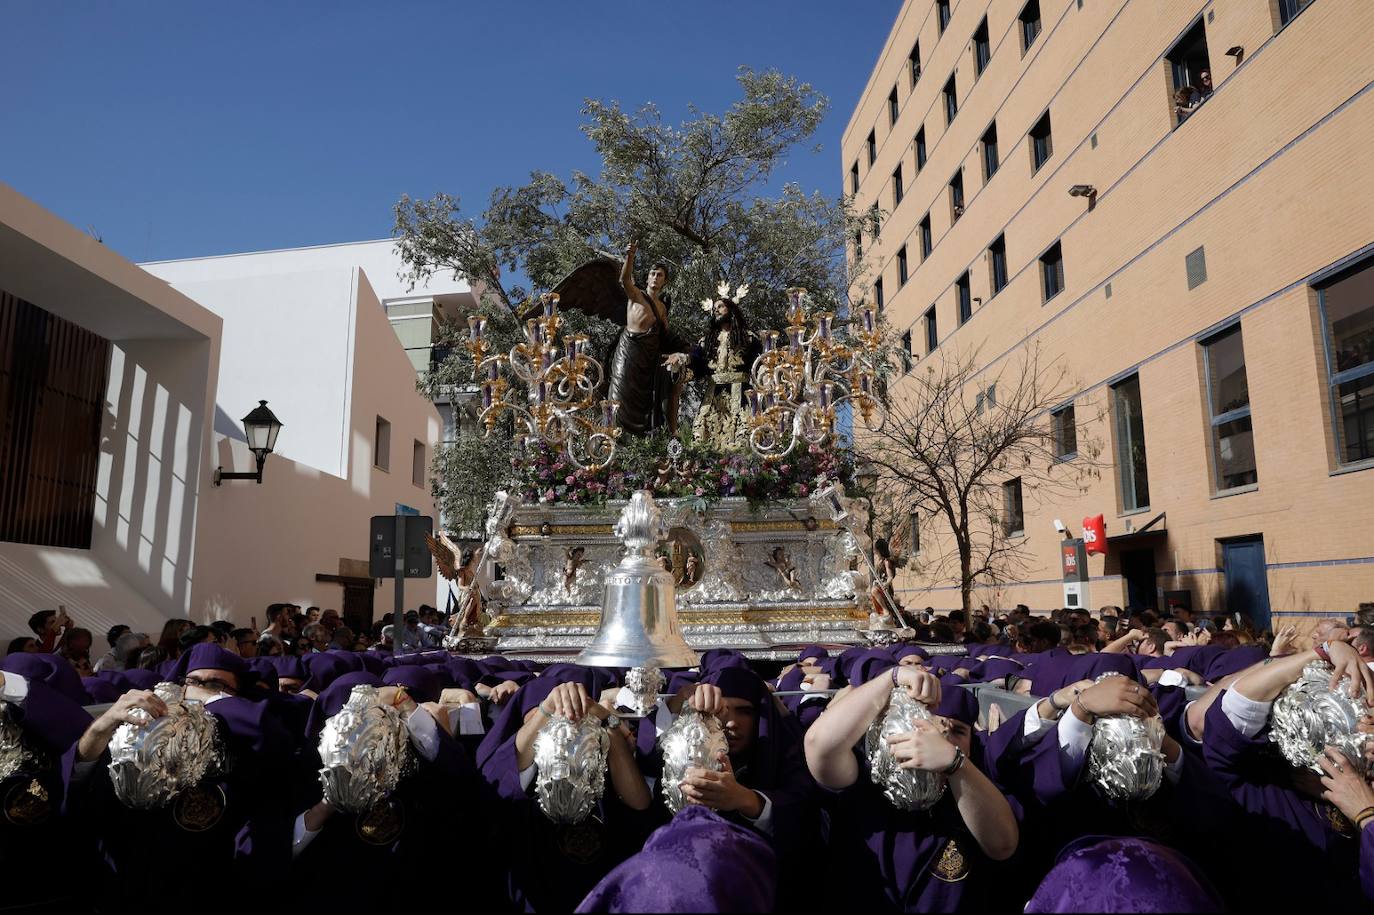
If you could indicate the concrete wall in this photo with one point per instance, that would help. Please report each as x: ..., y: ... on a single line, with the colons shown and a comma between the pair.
x: 1271, y: 176
x: 265, y: 543
x: 155, y: 436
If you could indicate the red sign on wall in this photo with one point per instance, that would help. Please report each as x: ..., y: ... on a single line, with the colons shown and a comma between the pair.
x: 1095, y: 534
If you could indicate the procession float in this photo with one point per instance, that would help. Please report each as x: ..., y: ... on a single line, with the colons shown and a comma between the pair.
x: 742, y: 517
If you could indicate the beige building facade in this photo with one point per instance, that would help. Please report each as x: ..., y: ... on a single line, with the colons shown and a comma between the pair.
x: 1202, y: 262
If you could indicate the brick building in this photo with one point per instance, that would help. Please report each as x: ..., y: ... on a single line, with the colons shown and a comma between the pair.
x: 1209, y: 280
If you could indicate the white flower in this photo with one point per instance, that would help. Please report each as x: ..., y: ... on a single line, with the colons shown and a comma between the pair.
x: 707, y: 305
x: 741, y: 291
x: 723, y: 289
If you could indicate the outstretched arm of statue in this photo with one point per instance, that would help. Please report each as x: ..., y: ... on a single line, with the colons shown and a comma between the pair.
x: 627, y: 273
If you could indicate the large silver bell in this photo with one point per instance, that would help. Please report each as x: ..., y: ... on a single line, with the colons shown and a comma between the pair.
x: 639, y: 610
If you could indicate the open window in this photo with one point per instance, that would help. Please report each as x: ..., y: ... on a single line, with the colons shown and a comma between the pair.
x: 1190, y: 72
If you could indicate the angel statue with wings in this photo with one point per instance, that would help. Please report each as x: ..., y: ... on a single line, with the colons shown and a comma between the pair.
x: 647, y: 354
x: 459, y: 565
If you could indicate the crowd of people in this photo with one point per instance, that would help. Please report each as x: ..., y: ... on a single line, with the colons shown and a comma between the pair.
x: 792, y: 816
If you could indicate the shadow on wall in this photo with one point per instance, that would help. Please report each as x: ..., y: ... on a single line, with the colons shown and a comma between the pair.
x: 151, y: 442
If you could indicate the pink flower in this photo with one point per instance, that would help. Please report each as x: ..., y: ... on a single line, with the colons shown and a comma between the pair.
x: 785, y: 468
x: 700, y: 491
x: 548, y: 495
x: 570, y: 479
x: 802, y: 490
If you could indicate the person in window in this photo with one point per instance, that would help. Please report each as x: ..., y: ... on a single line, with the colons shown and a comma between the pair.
x: 1186, y: 100
x: 1204, y: 81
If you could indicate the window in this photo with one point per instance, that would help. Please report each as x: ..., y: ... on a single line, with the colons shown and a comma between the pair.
x: 920, y: 149
x: 927, y: 244
x: 858, y: 245
x: 897, y: 189
x: 1013, y: 509
x: 1042, y: 146
x: 956, y: 196
x: 1130, y: 445
x: 932, y: 333
x: 990, y: 162
x: 1052, y: 271
x: 854, y: 178
x: 381, y: 445
x: 997, y: 260
x: 906, y: 350
x: 872, y: 148
x: 417, y: 464
x: 1030, y: 25
x: 878, y: 292
x: 951, y: 101
x: 942, y: 14
x: 978, y: 403
x: 893, y: 109
x: 1289, y: 9
x: 901, y: 267
x: 1228, y: 406
x: 914, y: 63
x: 992, y: 395
x: 1347, y: 315
x: 965, y: 296
x: 1190, y: 72
x: 1065, y: 433
x: 982, y: 49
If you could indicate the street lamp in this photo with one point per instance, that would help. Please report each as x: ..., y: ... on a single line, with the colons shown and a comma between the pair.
x: 261, y: 428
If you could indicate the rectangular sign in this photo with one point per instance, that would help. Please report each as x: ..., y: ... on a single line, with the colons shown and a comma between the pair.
x: 419, y: 561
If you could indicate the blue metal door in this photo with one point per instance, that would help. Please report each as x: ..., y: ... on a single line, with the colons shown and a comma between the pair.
x: 1247, y: 581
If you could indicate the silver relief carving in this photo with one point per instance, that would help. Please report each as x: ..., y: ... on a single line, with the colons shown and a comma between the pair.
x: 571, y: 758
x: 644, y: 684
x: 695, y: 741
x: 16, y: 755
x: 906, y: 789
x: 1309, y: 716
x: 1125, y: 759
x: 155, y: 759
x: 364, y: 752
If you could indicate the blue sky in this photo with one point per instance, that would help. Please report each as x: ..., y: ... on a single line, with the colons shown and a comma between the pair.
x: 180, y: 129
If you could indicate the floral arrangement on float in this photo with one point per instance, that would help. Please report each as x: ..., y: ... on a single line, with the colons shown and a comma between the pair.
x: 674, y: 467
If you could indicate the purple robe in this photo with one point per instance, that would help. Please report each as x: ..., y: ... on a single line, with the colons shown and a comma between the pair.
x: 422, y: 684
x: 1053, y: 673
x: 549, y: 867
x: 1306, y: 834
x: 698, y: 862
x: 1124, y: 875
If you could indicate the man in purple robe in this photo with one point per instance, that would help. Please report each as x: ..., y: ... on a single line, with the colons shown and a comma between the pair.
x: 548, y: 866
x: 942, y: 859
x: 1321, y: 826
x: 237, y: 818
x: 42, y: 694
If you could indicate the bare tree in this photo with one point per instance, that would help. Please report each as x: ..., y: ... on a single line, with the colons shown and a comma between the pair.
x: 955, y: 433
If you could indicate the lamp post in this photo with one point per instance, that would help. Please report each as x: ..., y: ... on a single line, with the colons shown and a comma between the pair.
x: 261, y: 428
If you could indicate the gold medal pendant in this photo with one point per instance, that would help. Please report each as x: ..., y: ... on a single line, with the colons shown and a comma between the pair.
x: 382, y: 825
x: 200, y: 808
x: 26, y: 803
x: 952, y: 866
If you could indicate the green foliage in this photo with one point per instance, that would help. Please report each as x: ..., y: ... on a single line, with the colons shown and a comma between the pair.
x: 464, y: 476
x: 689, y: 193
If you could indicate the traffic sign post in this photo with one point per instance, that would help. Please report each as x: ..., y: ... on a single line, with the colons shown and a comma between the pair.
x: 399, y: 550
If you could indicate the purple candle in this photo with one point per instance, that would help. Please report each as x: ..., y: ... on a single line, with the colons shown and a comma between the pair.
x: 823, y: 325
x: 794, y: 338
x: 827, y: 394
x: 486, y: 397
x: 753, y: 403
x: 869, y: 319
x: 543, y: 392
x: 477, y: 325
x: 550, y: 301
x: 865, y: 384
